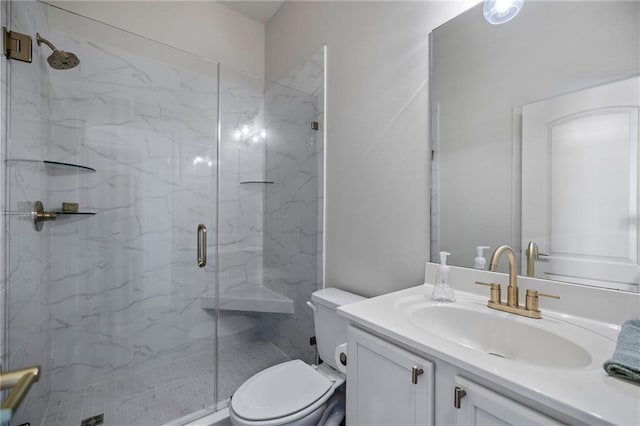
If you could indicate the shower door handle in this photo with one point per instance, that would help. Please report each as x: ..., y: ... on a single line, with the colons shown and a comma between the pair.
x: 202, y: 245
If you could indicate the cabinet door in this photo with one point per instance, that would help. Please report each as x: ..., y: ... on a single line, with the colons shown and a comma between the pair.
x: 380, y: 389
x: 480, y: 406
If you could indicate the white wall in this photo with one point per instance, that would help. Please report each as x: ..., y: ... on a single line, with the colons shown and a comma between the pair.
x: 377, y: 182
x: 205, y: 28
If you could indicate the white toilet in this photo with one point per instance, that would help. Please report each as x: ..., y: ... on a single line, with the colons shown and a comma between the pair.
x: 293, y: 392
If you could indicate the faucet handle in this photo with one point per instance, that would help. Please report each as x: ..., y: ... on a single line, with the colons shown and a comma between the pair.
x: 492, y: 285
x: 495, y: 291
x: 532, y: 299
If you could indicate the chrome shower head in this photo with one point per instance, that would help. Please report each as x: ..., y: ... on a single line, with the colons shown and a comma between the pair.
x: 59, y: 59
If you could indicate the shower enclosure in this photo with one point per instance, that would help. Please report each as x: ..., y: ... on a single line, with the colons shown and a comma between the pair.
x: 105, y: 287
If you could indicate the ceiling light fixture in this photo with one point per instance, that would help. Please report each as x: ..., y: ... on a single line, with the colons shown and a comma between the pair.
x: 498, y: 12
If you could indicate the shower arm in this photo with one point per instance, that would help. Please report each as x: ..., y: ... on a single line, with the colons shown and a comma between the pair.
x: 40, y: 39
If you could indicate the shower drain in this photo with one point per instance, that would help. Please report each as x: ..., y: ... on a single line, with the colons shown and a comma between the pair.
x: 93, y: 421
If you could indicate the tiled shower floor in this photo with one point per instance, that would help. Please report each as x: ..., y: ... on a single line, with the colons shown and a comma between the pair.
x: 160, y: 394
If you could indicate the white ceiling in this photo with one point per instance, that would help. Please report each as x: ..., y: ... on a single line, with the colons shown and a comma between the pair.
x: 260, y: 11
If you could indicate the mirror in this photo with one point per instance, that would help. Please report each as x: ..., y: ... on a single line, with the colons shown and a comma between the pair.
x: 534, y: 128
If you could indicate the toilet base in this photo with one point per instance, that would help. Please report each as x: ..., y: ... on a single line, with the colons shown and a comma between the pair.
x: 334, y: 413
x: 310, y: 419
x: 321, y: 416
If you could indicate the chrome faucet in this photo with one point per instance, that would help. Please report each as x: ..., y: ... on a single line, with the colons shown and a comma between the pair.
x: 512, y: 290
x: 512, y: 306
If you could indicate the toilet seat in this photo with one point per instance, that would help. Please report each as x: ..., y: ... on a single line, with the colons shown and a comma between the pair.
x: 282, y: 394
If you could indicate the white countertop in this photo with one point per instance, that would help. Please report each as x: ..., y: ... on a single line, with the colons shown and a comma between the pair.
x: 587, y: 394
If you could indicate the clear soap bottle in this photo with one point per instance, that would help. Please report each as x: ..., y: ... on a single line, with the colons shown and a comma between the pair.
x: 442, y: 290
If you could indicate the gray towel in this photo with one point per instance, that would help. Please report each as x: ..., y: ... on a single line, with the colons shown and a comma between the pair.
x: 625, y: 362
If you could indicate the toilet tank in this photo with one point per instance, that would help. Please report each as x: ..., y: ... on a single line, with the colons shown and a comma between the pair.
x: 331, y: 329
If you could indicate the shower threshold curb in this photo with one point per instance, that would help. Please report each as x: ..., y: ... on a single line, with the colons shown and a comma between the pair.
x: 204, y: 417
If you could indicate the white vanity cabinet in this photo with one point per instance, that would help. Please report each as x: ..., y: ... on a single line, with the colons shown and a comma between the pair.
x: 477, y: 405
x: 381, y: 390
x: 514, y: 370
x: 387, y: 385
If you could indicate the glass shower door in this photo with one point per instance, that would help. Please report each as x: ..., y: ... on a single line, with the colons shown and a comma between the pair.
x: 269, y: 226
x: 107, y: 296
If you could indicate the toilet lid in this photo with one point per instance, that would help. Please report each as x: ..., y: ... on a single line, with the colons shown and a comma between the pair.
x: 279, y: 391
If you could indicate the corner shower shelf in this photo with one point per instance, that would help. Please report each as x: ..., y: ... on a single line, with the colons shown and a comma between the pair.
x: 56, y: 167
x: 251, y: 298
x: 268, y: 182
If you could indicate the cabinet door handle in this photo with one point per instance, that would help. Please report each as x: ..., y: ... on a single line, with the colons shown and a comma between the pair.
x: 415, y: 372
x: 202, y: 245
x: 458, y: 394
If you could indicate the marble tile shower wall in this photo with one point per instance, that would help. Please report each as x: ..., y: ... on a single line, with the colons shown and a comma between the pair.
x: 242, y: 160
x: 309, y: 78
x: 125, y: 288
x: 106, y: 295
x: 28, y: 267
x: 293, y: 221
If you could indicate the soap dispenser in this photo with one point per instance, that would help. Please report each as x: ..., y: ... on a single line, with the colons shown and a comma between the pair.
x: 442, y: 290
x: 480, y: 262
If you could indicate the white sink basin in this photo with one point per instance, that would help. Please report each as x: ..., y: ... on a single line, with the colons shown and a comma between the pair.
x: 540, y: 342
